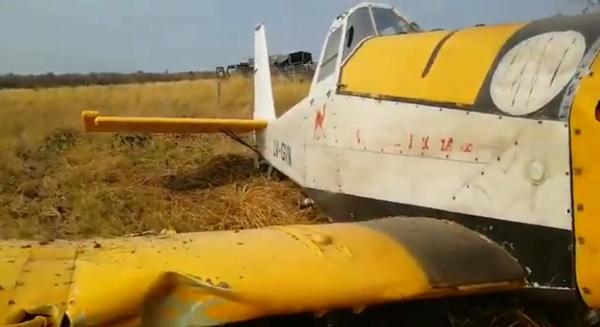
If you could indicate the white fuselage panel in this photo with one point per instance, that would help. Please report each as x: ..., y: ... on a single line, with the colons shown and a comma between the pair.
x: 473, y: 163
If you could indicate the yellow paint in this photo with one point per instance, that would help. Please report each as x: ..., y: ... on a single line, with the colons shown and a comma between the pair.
x: 95, y: 123
x: 45, y: 315
x: 226, y: 276
x: 393, y: 66
x: 585, y: 156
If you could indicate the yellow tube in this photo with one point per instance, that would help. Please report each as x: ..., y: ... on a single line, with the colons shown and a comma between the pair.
x: 93, y: 122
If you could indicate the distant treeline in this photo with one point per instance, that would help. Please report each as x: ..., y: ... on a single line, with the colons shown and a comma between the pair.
x: 13, y: 81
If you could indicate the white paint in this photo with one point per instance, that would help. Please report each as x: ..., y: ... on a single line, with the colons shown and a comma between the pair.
x: 264, y: 108
x: 537, y: 171
x: 291, y: 130
x: 535, y: 71
x: 492, y: 180
x: 516, y: 169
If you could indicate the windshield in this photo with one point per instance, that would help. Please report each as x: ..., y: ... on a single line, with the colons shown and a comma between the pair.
x: 388, y: 22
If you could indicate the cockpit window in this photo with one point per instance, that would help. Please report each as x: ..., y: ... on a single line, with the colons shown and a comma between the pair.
x: 364, y: 22
x: 359, y: 27
x: 330, y: 55
x: 388, y: 22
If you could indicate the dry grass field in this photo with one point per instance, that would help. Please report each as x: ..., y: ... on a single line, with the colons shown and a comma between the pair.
x: 58, y: 182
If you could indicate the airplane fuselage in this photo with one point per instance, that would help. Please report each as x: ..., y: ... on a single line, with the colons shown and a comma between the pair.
x: 477, y: 126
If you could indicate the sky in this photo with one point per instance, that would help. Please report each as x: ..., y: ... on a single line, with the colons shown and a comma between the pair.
x: 80, y: 36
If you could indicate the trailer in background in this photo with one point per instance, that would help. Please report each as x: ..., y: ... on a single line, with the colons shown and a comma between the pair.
x: 291, y: 64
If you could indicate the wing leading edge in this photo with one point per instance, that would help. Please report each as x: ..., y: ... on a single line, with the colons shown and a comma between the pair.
x: 213, y: 278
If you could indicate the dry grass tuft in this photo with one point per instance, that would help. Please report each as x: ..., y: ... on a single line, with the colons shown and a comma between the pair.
x: 58, y: 182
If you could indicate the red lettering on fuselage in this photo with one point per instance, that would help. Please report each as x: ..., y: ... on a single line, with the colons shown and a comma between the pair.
x: 320, y: 118
x: 425, y: 143
x: 447, y: 144
x: 467, y: 147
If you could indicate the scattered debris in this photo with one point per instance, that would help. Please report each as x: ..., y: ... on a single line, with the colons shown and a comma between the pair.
x: 306, y: 203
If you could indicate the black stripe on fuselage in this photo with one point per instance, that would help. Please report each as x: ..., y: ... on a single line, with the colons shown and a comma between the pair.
x: 546, y: 253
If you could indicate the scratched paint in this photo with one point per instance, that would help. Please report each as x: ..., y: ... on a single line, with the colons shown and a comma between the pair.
x: 535, y: 71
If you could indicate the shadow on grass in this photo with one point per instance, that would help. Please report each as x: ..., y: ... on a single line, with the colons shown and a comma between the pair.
x: 219, y: 171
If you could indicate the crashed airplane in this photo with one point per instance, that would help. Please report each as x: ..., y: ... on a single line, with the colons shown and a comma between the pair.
x: 455, y: 162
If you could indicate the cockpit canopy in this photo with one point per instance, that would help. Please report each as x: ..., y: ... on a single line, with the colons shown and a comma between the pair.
x: 356, y: 25
x: 370, y: 21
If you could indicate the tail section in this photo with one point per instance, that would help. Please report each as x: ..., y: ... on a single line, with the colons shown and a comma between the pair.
x: 264, y: 107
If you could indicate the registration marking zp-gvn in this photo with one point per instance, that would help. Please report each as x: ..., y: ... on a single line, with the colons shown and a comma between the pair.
x: 282, y: 151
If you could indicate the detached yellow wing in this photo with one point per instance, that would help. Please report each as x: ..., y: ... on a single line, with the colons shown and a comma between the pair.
x: 95, y: 123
